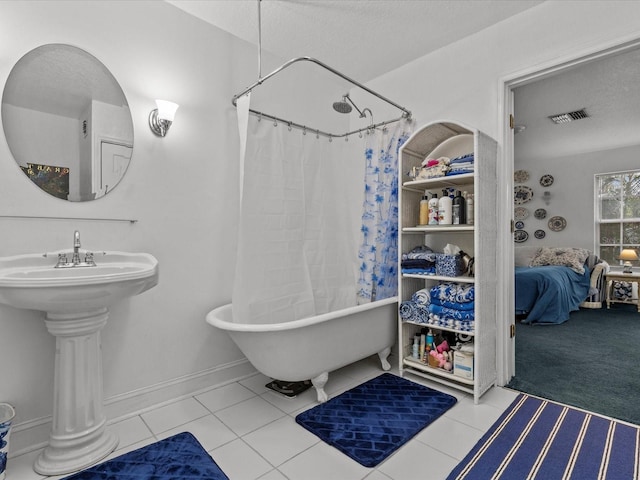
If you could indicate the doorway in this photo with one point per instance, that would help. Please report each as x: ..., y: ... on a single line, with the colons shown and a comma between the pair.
x: 510, y: 85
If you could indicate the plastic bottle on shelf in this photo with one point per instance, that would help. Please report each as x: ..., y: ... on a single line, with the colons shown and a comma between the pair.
x: 429, y: 346
x: 458, y: 209
x: 433, y: 209
x: 424, y: 210
x: 444, y: 209
x: 469, y: 210
x: 414, y: 352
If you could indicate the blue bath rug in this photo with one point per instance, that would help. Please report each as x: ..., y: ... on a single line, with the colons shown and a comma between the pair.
x: 177, y: 457
x: 371, y: 421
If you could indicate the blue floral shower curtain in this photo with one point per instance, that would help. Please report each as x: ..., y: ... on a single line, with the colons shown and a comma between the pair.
x: 378, y: 252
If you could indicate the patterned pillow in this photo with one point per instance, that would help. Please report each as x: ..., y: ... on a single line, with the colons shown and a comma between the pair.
x: 573, y: 258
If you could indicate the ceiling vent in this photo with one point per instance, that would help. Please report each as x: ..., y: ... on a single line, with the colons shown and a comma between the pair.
x: 569, y: 117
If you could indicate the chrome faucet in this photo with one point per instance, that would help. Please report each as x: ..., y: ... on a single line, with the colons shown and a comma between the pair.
x: 76, y: 248
x: 63, y: 262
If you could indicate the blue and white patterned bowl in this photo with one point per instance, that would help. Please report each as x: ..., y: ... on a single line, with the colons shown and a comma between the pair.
x: 7, y: 413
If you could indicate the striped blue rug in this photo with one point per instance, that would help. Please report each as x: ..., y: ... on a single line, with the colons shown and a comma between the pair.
x: 539, y: 439
x: 178, y: 457
x: 371, y: 421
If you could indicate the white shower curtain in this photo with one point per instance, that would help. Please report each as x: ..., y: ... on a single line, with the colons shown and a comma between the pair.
x: 297, y: 251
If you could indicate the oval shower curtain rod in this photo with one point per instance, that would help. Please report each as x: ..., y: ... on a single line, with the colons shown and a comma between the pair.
x: 406, y: 114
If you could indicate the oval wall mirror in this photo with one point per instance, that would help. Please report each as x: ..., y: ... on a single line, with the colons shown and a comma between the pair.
x: 67, y: 122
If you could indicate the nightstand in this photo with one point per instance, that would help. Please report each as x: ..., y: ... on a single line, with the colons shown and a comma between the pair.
x: 621, y: 277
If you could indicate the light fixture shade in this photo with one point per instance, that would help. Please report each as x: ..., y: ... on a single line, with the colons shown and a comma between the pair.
x: 628, y: 254
x: 166, y: 110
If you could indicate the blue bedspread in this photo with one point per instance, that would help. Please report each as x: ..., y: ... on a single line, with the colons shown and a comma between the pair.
x: 548, y: 294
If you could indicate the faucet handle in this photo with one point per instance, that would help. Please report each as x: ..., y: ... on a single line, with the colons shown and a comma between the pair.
x: 62, y: 259
x: 88, y: 259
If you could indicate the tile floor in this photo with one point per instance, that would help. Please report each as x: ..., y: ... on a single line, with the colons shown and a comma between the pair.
x: 251, y: 433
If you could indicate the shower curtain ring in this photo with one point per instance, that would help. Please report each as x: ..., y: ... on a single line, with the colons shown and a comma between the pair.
x: 304, y: 130
x: 346, y: 138
x: 317, y: 133
x: 289, y: 127
x: 275, y: 122
x: 260, y: 117
x: 360, y: 133
x: 330, y: 139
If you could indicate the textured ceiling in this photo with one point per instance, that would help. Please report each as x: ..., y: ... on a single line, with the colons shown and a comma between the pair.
x: 361, y: 38
x: 606, y: 88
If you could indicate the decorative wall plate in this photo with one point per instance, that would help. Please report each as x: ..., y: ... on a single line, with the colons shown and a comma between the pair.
x: 557, y: 224
x: 520, y: 236
x: 520, y: 176
x: 540, y: 213
x: 522, y: 194
x: 519, y: 225
x: 546, y: 180
x: 520, y: 213
x: 539, y: 234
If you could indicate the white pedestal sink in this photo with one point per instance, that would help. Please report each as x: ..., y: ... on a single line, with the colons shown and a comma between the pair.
x: 76, y: 302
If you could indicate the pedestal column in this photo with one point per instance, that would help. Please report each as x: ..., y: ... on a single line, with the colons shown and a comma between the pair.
x: 78, y: 436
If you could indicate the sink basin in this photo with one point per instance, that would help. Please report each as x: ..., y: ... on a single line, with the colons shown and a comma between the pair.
x: 32, y: 282
x: 76, y: 303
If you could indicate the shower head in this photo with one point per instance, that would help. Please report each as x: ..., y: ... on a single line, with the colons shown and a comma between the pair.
x: 342, y: 106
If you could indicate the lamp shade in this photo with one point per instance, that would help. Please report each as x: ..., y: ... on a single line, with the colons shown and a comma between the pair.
x: 166, y: 110
x: 628, y: 254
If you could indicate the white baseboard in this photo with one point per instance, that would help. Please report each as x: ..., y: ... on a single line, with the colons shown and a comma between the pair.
x: 33, y: 434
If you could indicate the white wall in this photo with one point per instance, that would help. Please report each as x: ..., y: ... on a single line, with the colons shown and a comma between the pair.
x: 572, y: 193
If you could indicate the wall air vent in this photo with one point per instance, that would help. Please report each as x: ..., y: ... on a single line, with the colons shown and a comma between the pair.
x: 569, y: 117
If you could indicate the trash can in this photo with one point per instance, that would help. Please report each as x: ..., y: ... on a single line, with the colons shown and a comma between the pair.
x: 7, y: 413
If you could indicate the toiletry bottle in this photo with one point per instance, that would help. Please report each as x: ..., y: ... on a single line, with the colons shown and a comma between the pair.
x: 458, y: 209
x: 433, y: 209
x: 423, y: 343
x: 424, y: 210
x: 429, y: 340
x: 469, y: 209
x: 444, y: 209
x: 414, y: 353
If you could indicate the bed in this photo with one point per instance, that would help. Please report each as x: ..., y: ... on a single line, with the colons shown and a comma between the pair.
x: 552, y: 282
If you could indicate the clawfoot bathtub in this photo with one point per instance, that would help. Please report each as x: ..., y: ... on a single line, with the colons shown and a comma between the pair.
x: 312, y: 347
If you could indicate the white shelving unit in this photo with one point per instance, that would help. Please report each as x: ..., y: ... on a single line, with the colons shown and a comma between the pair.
x: 452, y: 139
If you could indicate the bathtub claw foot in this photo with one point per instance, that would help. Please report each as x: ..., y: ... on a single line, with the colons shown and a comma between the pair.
x: 383, y: 358
x: 319, y: 383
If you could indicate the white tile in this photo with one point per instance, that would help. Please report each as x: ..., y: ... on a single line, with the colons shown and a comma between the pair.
x: 173, y: 415
x: 224, y: 397
x: 210, y: 432
x: 21, y: 467
x: 480, y: 416
x: 289, y: 405
x: 247, y: 416
x: 238, y: 460
x: 322, y: 462
x: 377, y: 475
x: 280, y: 440
x: 417, y: 461
x: 256, y: 383
x: 273, y: 475
x: 130, y: 431
x: 450, y: 437
x: 499, y: 397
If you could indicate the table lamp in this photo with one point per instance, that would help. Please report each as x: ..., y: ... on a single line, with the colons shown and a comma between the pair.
x: 628, y: 255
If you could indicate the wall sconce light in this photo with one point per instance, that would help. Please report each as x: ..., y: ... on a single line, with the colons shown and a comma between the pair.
x: 546, y: 196
x: 161, y: 118
x: 628, y: 255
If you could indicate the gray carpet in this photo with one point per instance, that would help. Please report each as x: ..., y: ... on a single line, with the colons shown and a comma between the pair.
x: 592, y: 361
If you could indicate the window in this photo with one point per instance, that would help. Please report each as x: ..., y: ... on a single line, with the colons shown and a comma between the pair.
x: 617, y: 214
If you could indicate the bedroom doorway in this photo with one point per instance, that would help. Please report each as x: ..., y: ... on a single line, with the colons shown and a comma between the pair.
x: 512, y: 87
